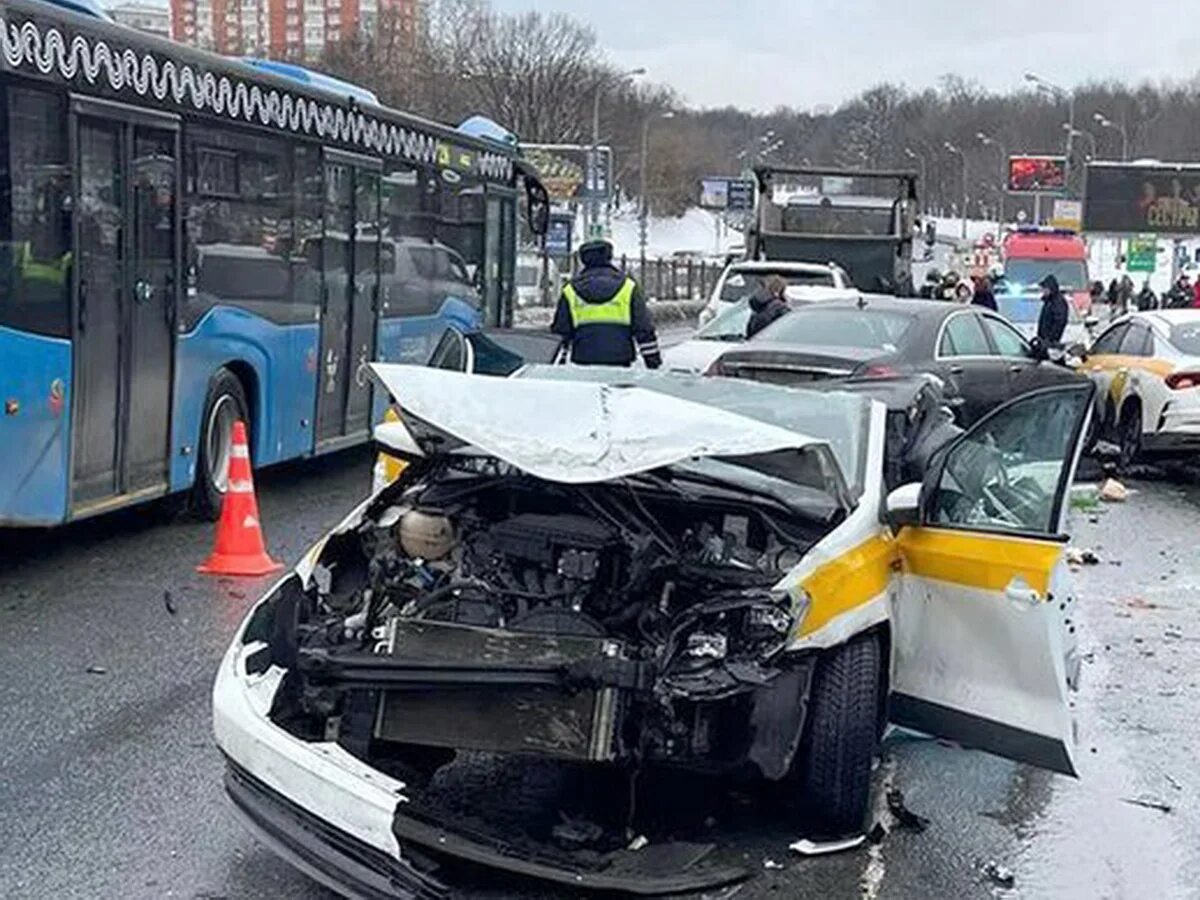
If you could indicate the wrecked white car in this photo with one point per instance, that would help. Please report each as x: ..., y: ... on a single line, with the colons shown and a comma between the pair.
x: 631, y: 572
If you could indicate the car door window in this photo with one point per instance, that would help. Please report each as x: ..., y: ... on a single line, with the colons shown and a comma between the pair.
x: 963, y: 336
x: 1008, y: 472
x: 1137, y: 342
x: 1110, y: 341
x: 1007, y: 339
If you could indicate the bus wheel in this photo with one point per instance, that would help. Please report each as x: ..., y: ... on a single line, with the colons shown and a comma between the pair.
x: 224, y: 404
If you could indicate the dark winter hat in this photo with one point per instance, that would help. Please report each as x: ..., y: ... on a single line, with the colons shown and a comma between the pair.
x: 596, y: 253
x: 1050, y: 283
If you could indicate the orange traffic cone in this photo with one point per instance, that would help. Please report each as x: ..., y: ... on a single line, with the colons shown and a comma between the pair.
x: 239, y: 547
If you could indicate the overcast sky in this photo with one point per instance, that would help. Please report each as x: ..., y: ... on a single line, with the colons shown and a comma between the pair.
x: 764, y: 53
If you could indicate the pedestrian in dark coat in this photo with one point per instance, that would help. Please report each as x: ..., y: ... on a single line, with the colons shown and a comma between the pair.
x: 767, y: 305
x: 983, y: 295
x: 1052, y: 321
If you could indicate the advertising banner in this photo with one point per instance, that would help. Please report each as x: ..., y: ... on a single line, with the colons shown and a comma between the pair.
x: 1037, y: 174
x: 1135, y: 199
x: 568, y: 172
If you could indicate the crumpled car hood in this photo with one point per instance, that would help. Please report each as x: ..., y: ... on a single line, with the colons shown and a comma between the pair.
x: 572, y: 432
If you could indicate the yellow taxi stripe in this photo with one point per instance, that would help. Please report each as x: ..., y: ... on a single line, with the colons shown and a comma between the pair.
x: 1106, y: 361
x: 854, y: 578
x: 985, y: 561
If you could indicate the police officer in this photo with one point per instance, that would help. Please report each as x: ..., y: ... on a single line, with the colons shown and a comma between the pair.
x: 602, y: 314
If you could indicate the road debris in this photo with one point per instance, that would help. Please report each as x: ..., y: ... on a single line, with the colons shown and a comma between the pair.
x: 1149, y: 804
x: 807, y: 847
x: 575, y: 834
x: 772, y: 864
x: 639, y: 843
x: 905, y: 817
x: 169, y: 602
x: 1085, y: 497
x: 97, y: 670
x: 1112, y: 491
x: 1001, y: 876
x: 1082, y: 557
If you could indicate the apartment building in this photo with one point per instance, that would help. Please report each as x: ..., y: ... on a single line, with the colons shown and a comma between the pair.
x: 283, y: 29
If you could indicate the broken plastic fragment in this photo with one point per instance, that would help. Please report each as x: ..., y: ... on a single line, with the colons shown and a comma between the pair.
x: 806, y: 847
x: 639, y: 843
x: 1001, y: 876
x: 1112, y: 491
x: 771, y: 864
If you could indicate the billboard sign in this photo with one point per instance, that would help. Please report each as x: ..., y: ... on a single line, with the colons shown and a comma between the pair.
x: 1142, y: 254
x: 1067, y: 214
x: 569, y: 172
x: 558, y: 235
x: 714, y: 193
x: 1136, y: 199
x: 1037, y: 174
x: 727, y: 194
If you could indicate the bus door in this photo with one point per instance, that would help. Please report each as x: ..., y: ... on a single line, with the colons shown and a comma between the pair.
x: 499, y: 256
x: 506, y: 269
x: 349, y: 297
x: 125, y: 301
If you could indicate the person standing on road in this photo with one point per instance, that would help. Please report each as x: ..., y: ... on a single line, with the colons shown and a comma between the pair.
x: 1147, y: 299
x: 767, y: 305
x: 1052, y: 321
x: 602, y: 315
x: 983, y: 294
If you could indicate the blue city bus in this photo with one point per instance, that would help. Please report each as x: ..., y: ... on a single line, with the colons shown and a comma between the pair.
x: 187, y: 240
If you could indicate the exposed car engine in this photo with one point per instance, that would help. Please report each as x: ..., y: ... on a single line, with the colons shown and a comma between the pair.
x: 607, y: 620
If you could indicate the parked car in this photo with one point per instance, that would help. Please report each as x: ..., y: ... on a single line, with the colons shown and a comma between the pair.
x: 601, y: 567
x: 806, y: 281
x: 537, y: 285
x: 1147, y: 368
x: 980, y: 357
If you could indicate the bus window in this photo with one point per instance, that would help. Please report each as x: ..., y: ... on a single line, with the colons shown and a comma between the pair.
x: 35, y: 212
x: 238, y: 225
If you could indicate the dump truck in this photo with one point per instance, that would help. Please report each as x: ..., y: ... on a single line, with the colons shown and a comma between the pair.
x: 862, y: 220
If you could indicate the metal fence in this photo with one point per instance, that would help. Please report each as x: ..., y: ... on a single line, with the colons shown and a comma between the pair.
x: 665, y: 279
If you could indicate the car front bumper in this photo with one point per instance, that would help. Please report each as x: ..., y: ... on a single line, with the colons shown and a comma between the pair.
x: 346, y: 824
x: 316, y: 805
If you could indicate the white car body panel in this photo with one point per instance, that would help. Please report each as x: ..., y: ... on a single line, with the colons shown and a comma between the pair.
x: 577, y: 432
x: 694, y: 355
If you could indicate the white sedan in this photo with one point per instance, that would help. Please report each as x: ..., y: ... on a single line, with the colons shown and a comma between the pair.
x: 606, y: 567
x: 1147, y: 368
x: 806, y: 282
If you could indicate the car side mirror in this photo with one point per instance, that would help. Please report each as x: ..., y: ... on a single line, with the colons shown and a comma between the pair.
x: 1091, y: 323
x: 1078, y: 351
x: 904, y: 505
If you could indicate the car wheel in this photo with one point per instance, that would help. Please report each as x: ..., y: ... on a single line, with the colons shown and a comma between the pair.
x: 1130, y: 435
x: 841, y: 738
x: 224, y: 404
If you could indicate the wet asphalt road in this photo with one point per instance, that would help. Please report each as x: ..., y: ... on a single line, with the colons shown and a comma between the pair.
x: 110, y: 785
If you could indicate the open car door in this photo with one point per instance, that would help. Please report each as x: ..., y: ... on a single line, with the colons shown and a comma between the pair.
x: 982, y: 647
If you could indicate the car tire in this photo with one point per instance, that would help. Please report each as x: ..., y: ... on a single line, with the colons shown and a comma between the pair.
x: 1129, y: 435
x: 224, y: 404
x: 841, y: 738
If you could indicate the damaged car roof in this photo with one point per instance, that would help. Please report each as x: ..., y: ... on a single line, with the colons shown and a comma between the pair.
x: 596, y: 427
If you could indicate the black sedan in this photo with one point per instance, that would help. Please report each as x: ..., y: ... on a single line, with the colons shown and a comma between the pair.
x: 982, y: 360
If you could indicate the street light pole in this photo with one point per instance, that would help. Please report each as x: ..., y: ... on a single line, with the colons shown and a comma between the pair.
x: 594, y: 161
x: 1105, y: 122
x: 1083, y: 133
x: 963, y: 211
x: 989, y: 141
x: 1059, y: 92
x: 644, y: 205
